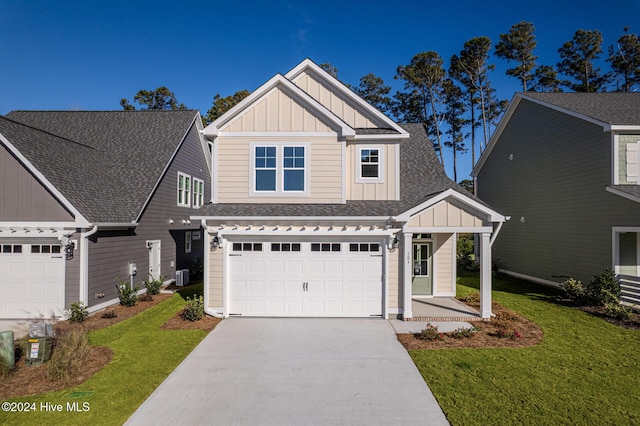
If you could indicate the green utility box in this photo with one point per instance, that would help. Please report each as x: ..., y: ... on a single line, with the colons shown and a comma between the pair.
x: 38, y: 350
x: 7, y: 351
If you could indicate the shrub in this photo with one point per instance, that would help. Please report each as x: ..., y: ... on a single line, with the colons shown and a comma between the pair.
x: 77, y: 312
x: 128, y: 295
x: 153, y: 285
x: 194, y: 309
x: 604, y: 288
x: 471, y: 297
x: 618, y: 311
x: 109, y: 314
x: 430, y: 333
x: 70, y: 353
x: 464, y: 250
x: 507, y: 316
x: 574, y: 290
x: 463, y: 332
x: 196, y: 269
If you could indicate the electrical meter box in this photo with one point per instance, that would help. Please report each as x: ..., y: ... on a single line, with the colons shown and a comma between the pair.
x: 38, y: 350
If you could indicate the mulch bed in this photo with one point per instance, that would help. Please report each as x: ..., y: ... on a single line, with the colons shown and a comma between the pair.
x: 486, y: 335
x: 598, y: 311
x: 27, y: 380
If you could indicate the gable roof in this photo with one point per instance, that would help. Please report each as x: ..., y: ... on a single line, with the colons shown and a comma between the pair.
x: 386, y: 125
x: 422, y: 178
x: 387, y: 128
x: 622, y: 109
x: 105, y: 163
x: 611, y: 111
x: 300, y: 95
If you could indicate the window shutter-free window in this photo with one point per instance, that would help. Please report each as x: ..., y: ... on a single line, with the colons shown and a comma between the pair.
x: 265, y: 164
x: 293, y: 168
x: 632, y: 162
x: 198, y: 192
x: 184, y: 190
x: 370, y: 163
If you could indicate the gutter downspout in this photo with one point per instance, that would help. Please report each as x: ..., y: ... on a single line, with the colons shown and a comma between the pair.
x: 84, y: 264
x: 205, y: 279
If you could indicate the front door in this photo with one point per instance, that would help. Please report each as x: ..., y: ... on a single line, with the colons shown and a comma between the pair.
x: 154, y: 259
x: 422, y: 269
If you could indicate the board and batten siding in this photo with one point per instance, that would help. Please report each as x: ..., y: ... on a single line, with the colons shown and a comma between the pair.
x: 385, y: 190
x: 277, y: 112
x: 334, y: 101
x: 234, y: 173
x: 445, y: 214
x: 110, y: 252
x: 24, y: 198
x: 549, y: 172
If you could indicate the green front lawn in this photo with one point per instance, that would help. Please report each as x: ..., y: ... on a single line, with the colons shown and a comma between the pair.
x: 144, y: 355
x: 585, y: 372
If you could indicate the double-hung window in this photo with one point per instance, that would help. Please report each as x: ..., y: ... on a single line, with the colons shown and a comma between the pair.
x: 184, y: 190
x: 369, y: 164
x: 293, y: 168
x: 198, y: 192
x: 265, y: 168
x: 280, y: 169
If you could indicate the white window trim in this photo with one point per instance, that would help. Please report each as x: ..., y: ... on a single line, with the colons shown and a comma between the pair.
x: 186, y: 192
x: 279, y: 192
x: 615, y: 246
x: 381, y: 162
x: 187, y: 242
x: 198, y: 195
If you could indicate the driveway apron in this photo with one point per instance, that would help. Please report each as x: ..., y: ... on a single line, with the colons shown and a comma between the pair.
x: 294, y: 371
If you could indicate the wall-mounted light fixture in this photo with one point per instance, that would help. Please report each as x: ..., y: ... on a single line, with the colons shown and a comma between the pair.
x: 170, y: 221
x: 215, y: 242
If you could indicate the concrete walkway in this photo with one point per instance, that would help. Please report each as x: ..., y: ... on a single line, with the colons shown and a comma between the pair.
x: 294, y: 371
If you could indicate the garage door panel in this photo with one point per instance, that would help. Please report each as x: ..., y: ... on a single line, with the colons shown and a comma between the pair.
x: 31, y: 284
x: 338, y: 283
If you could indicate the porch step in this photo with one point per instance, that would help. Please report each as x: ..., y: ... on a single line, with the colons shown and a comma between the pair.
x: 445, y: 319
x: 630, y: 290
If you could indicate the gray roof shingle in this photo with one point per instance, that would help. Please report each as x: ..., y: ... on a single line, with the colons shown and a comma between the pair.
x: 421, y: 177
x: 106, y: 163
x: 611, y: 108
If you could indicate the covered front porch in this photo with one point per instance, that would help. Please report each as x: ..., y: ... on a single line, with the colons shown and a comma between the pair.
x: 428, y: 254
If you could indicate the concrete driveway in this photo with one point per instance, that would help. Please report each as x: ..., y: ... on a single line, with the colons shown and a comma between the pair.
x: 294, y: 371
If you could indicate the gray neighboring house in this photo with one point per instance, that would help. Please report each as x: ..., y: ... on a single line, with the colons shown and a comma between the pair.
x: 564, y: 166
x: 85, y: 194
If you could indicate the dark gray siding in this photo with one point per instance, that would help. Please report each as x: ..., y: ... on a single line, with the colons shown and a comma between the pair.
x: 72, y: 275
x: 24, y: 199
x: 556, y: 182
x: 111, y: 251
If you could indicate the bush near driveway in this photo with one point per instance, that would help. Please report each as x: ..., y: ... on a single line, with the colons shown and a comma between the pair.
x: 585, y: 370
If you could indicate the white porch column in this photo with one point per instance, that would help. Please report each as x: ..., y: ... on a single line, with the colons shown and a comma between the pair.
x: 485, y: 275
x: 407, y: 274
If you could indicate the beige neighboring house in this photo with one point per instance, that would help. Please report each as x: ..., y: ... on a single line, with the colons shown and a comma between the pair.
x: 324, y: 207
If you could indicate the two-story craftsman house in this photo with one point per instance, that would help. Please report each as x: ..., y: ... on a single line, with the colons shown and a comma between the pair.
x: 323, y: 206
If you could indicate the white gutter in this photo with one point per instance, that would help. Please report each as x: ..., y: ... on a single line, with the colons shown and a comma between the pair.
x: 230, y: 220
x: 84, y: 264
x: 205, y: 278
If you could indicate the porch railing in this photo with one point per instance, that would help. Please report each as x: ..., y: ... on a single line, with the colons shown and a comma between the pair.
x: 630, y: 289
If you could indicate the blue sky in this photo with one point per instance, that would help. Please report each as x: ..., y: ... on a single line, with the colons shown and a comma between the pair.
x: 68, y: 54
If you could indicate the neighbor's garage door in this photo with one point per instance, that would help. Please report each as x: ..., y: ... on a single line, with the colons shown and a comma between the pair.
x: 31, y: 280
x: 306, y: 279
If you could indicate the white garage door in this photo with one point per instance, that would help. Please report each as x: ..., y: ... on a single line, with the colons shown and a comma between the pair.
x: 31, y: 280
x: 306, y: 279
